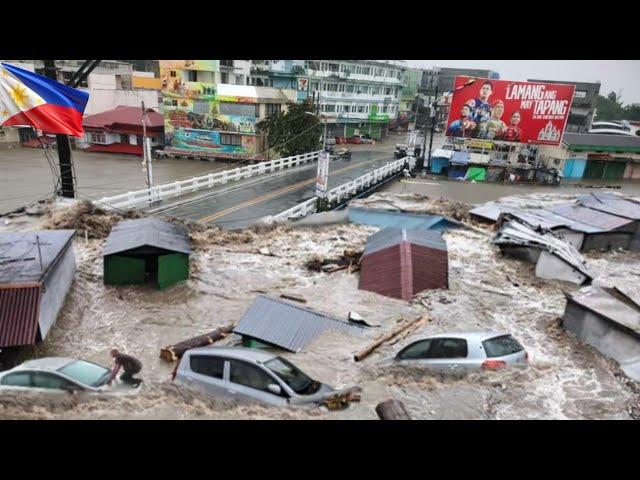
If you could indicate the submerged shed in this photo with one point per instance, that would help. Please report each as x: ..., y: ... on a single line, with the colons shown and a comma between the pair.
x: 399, y: 263
x: 146, y: 250
x: 275, y: 322
x: 36, y: 271
x: 609, y: 320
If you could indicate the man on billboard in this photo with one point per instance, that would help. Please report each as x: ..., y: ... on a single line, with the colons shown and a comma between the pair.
x: 494, y: 126
x: 480, y: 106
x: 465, y: 125
x: 512, y: 133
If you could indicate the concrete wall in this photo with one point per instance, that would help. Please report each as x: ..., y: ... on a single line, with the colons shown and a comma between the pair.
x: 56, y: 286
x: 101, y: 100
x: 606, y: 336
x: 632, y: 170
x: 9, y: 135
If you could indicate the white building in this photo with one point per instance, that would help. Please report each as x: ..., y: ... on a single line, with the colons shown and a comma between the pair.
x: 356, y: 96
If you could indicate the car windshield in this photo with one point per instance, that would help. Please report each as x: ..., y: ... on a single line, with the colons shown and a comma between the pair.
x: 292, y: 376
x: 86, y: 373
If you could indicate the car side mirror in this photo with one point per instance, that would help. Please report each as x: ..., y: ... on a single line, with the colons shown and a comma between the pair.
x: 275, y: 389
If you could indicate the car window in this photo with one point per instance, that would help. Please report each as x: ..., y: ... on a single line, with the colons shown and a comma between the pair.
x: 415, y: 351
x: 448, y: 348
x: 48, y: 380
x: 207, y: 365
x: 86, y: 373
x: 20, y: 379
x: 250, y: 376
x: 501, y: 346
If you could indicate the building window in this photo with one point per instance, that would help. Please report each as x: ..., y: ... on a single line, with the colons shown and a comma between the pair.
x: 330, y: 87
x: 232, y: 108
x: 273, y: 108
x: 224, y: 77
x: 361, y: 108
x: 315, y: 86
x: 313, y: 65
x: 98, y: 138
x: 192, y: 75
x: 341, y: 87
x: 226, y: 63
x: 329, y: 107
x: 226, y: 139
x: 366, y: 70
x: 349, y: 88
x: 124, y: 138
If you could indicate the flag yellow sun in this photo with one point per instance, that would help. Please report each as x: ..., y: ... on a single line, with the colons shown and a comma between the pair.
x: 19, y: 95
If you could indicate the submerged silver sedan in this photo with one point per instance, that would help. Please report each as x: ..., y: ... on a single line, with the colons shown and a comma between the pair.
x: 55, y: 375
x: 460, y: 352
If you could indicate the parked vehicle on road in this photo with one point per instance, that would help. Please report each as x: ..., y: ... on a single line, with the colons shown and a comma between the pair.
x: 344, y: 153
x: 460, y: 352
x: 400, y: 151
x: 56, y: 375
x: 247, y: 374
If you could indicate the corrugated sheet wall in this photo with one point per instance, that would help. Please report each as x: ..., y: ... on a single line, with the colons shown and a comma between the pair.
x: 380, y: 272
x: 19, y: 310
x: 430, y: 268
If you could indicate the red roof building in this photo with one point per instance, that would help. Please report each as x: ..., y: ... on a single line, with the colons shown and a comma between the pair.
x: 399, y: 263
x: 120, y: 130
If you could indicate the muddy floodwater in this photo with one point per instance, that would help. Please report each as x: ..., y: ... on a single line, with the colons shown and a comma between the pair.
x: 565, y: 379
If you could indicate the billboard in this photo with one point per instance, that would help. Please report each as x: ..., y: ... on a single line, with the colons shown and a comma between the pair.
x: 322, y: 177
x: 502, y: 110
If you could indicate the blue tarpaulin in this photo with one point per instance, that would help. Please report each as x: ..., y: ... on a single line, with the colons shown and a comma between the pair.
x: 386, y: 218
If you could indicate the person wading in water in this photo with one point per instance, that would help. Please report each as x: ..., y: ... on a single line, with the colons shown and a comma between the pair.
x: 129, y: 364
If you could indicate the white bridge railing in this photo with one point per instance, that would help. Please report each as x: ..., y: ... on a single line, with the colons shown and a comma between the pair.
x: 346, y: 190
x: 141, y: 198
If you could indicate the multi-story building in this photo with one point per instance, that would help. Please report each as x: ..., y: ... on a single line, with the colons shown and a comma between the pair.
x: 205, y: 117
x: 583, y: 107
x: 235, y: 72
x: 356, y: 96
x: 286, y: 74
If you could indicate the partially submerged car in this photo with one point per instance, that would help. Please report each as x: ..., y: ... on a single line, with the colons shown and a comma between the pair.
x: 461, y: 352
x: 247, y: 374
x: 400, y: 151
x: 56, y: 375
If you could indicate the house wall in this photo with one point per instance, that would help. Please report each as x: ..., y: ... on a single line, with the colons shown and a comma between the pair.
x: 632, y: 171
x: 610, y: 339
x: 381, y: 273
x: 56, y: 286
x: 101, y: 100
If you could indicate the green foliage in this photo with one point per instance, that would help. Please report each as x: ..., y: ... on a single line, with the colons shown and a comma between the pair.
x: 291, y: 133
x: 611, y: 108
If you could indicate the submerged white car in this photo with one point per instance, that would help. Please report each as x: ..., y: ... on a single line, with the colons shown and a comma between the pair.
x: 55, y: 375
x: 460, y: 352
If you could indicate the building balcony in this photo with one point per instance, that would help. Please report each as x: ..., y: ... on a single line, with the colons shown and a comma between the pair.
x: 358, y: 97
x: 353, y: 77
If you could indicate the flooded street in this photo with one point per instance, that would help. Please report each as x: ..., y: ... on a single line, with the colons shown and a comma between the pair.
x: 565, y: 379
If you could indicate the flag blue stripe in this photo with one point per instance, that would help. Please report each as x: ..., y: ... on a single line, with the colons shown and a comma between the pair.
x: 50, y: 90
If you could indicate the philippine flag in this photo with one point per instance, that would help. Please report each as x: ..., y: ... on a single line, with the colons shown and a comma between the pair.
x: 29, y: 99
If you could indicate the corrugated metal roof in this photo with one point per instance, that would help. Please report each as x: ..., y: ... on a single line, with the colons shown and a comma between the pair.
x: 20, y: 258
x: 147, y: 232
x: 286, y: 325
x: 123, y: 115
x: 442, y: 153
x: 541, y: 218
x: 19, y: 309
x: 394, y: 219
x: 608, y: 303
x: 589, y: 216
x: 394, y: 236
x: 609, y: 204
x: 597, y: 139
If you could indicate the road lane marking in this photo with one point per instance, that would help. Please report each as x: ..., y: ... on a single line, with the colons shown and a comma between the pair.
x: 280, y: 192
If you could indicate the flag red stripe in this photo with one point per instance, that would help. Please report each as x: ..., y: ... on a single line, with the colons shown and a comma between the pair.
x: 50, y: 119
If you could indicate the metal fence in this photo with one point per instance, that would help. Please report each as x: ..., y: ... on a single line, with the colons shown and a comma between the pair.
x: 141, y: 198
x: 349, y: 189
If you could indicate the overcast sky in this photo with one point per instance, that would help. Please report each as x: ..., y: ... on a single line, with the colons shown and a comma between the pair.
x: 613, y: 75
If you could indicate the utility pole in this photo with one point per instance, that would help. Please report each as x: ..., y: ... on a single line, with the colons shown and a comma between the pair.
x: 146, y: 154
x: 67, y: 183
x: 434, y: 116
x: 67, y: 187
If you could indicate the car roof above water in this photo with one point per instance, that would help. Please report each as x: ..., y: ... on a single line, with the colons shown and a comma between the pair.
x: 479, y: 336
x: 47, y: 363
x: 259, y: 356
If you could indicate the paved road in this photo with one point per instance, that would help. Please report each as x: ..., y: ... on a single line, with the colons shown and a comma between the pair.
x: 239, y: 205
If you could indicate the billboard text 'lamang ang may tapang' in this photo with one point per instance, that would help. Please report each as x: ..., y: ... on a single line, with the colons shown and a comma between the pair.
x: 509, y: 111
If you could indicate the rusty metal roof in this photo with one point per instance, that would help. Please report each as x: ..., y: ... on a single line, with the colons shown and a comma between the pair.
x: 19, y: 309
x: 150, y: 232
x: 399, y: 263
x: 20, y: 259
x: 287, y: 325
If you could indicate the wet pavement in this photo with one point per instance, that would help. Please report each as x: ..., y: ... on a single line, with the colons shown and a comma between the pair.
x: 240, y: 205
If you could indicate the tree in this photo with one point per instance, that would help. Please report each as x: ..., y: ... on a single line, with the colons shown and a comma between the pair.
x: 609, y: 107
x: 291, y: 132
